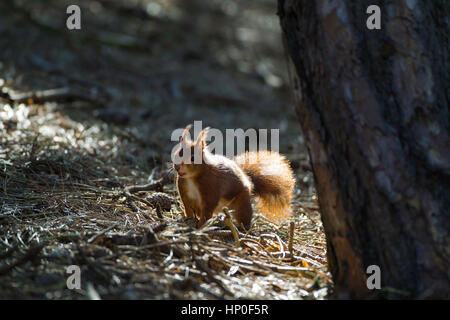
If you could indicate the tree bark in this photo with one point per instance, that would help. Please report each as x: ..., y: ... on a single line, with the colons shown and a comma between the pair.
x: 374, y: 110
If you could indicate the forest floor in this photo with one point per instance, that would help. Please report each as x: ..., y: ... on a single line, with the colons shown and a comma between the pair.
x: 136, y: 71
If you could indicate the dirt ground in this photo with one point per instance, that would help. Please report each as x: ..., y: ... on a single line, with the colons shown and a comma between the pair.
x: 136, y: 71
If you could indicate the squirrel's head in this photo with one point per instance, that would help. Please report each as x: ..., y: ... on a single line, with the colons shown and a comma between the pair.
x: 189, y: 156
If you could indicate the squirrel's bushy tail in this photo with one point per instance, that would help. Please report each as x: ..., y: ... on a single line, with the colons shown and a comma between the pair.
x: 273, y: 182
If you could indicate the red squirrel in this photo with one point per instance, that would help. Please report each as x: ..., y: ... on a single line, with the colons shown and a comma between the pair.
x: 218, y: 181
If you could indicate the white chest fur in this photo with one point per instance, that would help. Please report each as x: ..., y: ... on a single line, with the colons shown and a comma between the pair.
x: 192, y: 191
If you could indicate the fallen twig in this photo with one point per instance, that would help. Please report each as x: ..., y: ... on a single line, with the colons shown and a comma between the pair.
x: 93, y: 238
x: 229, y: 223
x: 58, y: 94
x: 291, y: 237
x: 153, y: 186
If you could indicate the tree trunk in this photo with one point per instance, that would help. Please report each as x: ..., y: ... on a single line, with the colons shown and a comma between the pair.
x: 374, y: 110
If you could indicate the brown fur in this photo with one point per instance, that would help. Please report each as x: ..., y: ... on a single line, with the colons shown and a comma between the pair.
x: 218, y: 181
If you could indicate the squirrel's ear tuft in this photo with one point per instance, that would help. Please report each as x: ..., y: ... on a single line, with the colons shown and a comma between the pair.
x: 185, y: 131
x: 202, y: 137
x: 205, y: 132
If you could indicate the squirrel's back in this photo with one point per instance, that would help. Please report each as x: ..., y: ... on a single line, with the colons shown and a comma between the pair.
x: 273, y: 182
